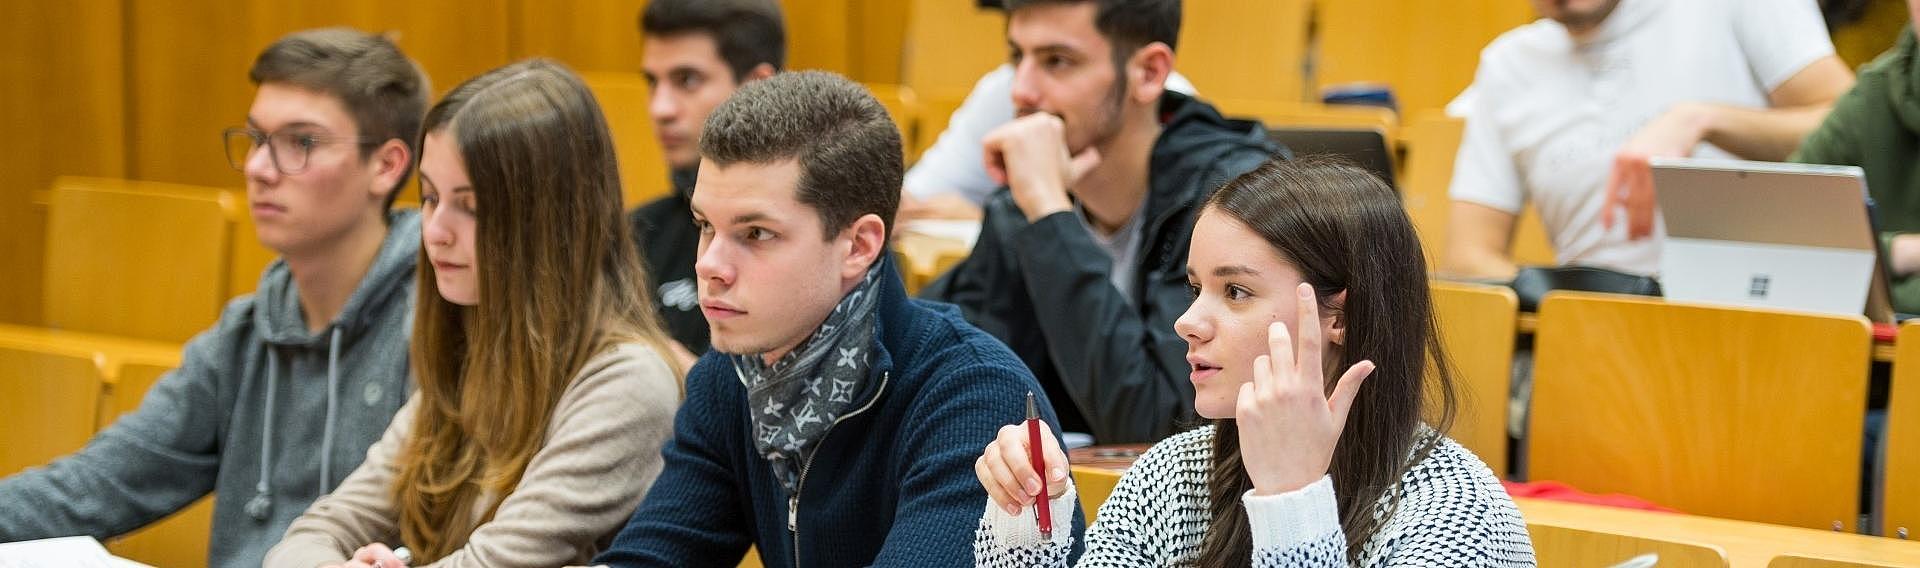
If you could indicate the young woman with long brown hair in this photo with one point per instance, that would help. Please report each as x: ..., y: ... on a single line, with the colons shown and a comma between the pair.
x: 545, y: 387
x: 1296, y: 469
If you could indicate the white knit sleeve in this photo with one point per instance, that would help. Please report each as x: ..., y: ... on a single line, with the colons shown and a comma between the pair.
x: 1009, y: 541
x: 1297, y: 528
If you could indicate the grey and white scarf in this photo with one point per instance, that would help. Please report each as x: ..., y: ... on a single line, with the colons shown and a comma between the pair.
x: 794, y: 400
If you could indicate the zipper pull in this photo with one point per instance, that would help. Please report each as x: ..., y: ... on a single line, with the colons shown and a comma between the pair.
x: 793, y: 514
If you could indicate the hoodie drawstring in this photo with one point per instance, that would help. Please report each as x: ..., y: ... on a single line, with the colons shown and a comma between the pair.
x: 261, y: 506
x: 333, y: 409
x: 262, y: 503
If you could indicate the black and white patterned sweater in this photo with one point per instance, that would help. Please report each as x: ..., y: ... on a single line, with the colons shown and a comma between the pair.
x: 1453, y: 512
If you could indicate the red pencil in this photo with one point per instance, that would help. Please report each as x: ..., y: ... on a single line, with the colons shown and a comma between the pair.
x: 1039, y: 467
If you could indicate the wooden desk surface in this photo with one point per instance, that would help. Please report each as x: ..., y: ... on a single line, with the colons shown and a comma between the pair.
x: 1746, y: 543
x: 1115, y: 458
x: 926, y: 257
x: 124, y: 349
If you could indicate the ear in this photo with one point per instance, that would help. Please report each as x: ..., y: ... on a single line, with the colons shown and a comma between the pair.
x: 758, y: 72
x: 390, y: 162
x: 1147, y: 72
x: 1333, y: 319
x: 868, y: 241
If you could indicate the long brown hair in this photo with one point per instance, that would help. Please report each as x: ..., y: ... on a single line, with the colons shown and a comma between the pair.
x: 1345, y: 230
x: 560, y: 281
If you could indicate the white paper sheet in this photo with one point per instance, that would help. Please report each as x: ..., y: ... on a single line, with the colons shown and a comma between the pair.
x: 69, y: 551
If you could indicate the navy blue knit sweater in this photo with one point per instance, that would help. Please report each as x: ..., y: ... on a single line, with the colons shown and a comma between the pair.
x: 891, y: 484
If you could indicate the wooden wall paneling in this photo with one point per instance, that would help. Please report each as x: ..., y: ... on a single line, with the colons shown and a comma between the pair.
x: 186, y: 82
x: 623, y: 100
x: 62, y: 112
x: 878, y: 46
x: 949, y: 45
x: 189, y: 62
x: 819, y: 33
x: 1245, y: 49
x: 1427, y: 51
x: 588, y: 35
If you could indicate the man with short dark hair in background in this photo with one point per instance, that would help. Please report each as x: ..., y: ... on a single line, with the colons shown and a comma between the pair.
x: 696, y: 53
x: 1081, y: 262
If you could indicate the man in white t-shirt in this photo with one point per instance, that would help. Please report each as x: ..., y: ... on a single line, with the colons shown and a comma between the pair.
x: 1564, y: 112
x: 950, y: 180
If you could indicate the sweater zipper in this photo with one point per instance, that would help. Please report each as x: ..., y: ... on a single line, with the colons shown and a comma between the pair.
x: 793, y: 501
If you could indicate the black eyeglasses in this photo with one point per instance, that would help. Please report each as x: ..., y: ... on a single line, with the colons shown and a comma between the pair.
x: 290, y: 150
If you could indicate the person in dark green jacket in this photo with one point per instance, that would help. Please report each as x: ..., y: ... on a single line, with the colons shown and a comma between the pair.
x: 1877, y: 126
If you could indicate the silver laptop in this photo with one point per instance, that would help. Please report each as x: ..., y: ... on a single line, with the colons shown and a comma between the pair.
x: 1790, y: 236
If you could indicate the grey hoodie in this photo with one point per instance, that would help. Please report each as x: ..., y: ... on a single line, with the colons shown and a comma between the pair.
x: 264, y: 414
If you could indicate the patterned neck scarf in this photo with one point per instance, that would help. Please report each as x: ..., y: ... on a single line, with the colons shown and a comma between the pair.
x: 797, y: 398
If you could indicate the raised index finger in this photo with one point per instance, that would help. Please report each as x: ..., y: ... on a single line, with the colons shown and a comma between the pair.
x: 1311, y: 339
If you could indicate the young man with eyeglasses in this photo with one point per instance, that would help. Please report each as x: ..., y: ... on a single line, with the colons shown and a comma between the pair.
x: 279, y: 401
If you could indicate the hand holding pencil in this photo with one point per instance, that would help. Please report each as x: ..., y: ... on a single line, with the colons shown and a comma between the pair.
x: 1034, y: 443
x: 1007, y: 468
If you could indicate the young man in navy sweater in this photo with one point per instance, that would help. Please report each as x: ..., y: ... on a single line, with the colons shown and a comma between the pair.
x: 837, y: 422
